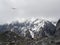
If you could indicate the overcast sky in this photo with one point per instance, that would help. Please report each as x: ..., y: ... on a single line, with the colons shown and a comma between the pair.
x: 13, y: 9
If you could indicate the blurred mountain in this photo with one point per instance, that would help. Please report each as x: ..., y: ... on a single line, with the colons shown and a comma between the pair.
x: 34, y: 26
x: 30, y: 31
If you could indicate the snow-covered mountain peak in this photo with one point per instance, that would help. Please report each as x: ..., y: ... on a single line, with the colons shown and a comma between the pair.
x: 31, y: 25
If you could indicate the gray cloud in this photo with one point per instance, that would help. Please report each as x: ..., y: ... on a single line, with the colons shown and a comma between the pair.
x: 28, y: 8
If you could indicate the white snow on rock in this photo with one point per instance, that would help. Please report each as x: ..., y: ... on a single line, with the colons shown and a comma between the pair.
x: 31, y: 25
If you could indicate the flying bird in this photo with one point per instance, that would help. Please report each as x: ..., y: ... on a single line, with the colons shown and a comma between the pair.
x: 13, y: 8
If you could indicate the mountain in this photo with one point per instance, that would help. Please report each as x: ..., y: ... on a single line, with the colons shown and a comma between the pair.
x: 29, y: 32
x: 34, y: 26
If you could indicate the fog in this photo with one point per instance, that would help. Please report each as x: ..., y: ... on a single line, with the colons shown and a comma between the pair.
x: 13, y: 9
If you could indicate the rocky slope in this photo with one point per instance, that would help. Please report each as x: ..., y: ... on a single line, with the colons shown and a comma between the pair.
x: 30, y: 32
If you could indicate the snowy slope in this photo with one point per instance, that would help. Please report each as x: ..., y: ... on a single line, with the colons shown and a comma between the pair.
x: 32, y: 25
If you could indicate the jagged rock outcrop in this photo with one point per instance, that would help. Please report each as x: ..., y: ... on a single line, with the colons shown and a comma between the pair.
x: 57, y: 33
x: 58, y: 28
x: 49, y: 29
x: 28, y: 35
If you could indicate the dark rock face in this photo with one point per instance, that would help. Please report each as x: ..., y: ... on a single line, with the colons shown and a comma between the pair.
x: 49, y: 28
x: 58, y: 25
x: 57, y: 33
x: 58, y: 28
x: 28, y: 35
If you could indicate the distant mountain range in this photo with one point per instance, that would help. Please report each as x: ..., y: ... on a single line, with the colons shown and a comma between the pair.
x: 33, y: 27
x: 36, y: 29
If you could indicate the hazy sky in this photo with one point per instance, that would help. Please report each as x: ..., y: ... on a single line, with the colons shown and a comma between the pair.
x: 13, y: 9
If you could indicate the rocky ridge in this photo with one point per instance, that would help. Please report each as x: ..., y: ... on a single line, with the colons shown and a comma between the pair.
x: 36, y: 32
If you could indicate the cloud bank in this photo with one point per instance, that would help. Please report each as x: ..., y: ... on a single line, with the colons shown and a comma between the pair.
x: 12, y: 9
